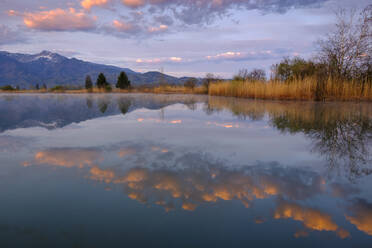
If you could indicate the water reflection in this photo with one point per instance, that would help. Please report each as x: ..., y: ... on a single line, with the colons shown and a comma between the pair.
x: 186, y: 156
x: 187, y: 181
x: 361, y: 215
x: 312, y: 219
x: 67, y: 157
x: 340, y: 132
x: 55, y: 111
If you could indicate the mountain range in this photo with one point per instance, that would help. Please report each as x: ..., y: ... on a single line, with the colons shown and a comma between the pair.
x: 52, y: 69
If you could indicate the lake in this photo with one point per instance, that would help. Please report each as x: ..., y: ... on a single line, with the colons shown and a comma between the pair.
x: 142, y: 170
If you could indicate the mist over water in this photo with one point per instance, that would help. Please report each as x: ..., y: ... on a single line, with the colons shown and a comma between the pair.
x: 142, y: 170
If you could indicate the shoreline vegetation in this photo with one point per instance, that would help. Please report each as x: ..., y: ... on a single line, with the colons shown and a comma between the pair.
x: 301, y: 90
x: 340, y: 71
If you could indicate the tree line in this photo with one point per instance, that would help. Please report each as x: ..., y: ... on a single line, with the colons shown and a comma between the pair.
x: 101, y: 83
x: 345, y: 54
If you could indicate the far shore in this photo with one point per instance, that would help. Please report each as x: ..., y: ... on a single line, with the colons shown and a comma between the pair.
x: 305, y: 90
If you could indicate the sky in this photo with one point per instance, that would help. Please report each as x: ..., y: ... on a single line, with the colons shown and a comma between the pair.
x: 178, y: 37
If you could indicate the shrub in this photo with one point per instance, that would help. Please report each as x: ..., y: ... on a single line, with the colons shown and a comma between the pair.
x: 294, y: 69
x: 57, y: 88
x: 7, y: 88
x: 190, y: 83
x: 108, y: 88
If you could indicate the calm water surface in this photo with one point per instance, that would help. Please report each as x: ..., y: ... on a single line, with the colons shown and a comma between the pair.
x: 183, y: 171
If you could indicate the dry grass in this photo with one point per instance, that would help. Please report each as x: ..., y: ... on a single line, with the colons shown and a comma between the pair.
x: 297, y: 90
x: 272, y: 90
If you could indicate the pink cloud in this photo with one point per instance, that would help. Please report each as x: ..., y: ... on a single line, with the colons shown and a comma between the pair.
x: 140, y: 3
x: 175, y: 59
x: 159, y: 60
x: 88, y: 4
x: 226, y: 55
x: 59, y: 20
x: 253, y: 55
x: 133, y: 3
x: 159, y: 29
x: 12, y: 12
x: 123, y: 26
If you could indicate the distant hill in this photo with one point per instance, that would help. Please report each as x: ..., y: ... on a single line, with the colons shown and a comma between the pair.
x: 54, y: 69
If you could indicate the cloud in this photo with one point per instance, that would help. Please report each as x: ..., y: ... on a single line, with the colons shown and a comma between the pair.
x: 101, y: 175
x: 134, y: 3
x: 226, y: 55
x: 135, y: 25
x: 88, y: 4
x: 149, y: 17
x: 205, y: 11
x: 164, y: 19
x: 59, y: 20
x: 68, y: 157
x: 122, y: 26
x: 311, y: 218
x: 158, y: 29
x: 361, y: 216
x: 225, y: 125
x: 173, y: 59
x: 124, y: 152
x: 12, y: 12
x: 243, y: 56
x: 10, y: 36
x: 207, y: 185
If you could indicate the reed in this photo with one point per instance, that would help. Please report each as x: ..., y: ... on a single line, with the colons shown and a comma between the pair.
x: 305, y: 89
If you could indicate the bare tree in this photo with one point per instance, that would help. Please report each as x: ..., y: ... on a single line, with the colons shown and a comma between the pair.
x: 242, y: 75
x: 257, y: 75
x: 347, y: 50
x: 191, y: 83
x: 254, y: 75
x: 209, y: 78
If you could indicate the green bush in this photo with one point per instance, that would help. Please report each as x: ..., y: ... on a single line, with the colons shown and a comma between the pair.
x: 57, y: 88
x: 108, y: 88
x: 7, y: 88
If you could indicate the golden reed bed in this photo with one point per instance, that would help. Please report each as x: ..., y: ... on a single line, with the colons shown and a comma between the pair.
x: 296, y: 90
x: 272, y: 90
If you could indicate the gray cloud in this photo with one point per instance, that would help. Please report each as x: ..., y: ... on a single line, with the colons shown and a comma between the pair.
x: 205, y: 11
x: 153, y: 17
x: 164, y: 19
x: 10, y: 36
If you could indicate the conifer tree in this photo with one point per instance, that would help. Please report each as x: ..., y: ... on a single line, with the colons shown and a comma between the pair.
x: 88, y: 83
x: 123, y: 82
x: 101, y: 81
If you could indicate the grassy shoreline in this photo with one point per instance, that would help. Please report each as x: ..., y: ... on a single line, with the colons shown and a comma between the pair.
x: 301, y: 90
x: 307, y: 89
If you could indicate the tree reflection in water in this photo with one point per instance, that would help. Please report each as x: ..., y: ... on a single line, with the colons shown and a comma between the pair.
x: 340, y: 132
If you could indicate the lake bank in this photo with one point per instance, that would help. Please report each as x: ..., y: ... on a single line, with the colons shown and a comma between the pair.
x: 303, y: 90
